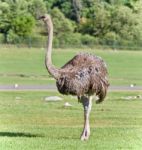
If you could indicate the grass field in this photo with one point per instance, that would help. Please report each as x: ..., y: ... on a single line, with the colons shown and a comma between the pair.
x: 26, y: 65
x: 27, y: 122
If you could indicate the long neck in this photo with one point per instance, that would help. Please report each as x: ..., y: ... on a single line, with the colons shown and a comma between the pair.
x: 48, y: 60
x: 49, y: 43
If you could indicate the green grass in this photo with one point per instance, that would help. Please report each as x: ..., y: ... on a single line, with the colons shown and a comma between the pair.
x: 27, y: 122
x: 26, y: 65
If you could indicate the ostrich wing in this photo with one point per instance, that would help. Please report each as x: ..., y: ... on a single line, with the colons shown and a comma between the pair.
x: 84, y: 74
x: 86, y: 60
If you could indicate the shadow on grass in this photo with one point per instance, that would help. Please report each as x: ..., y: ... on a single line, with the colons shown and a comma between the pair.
x: 29, y: 135
x: 19, y: 134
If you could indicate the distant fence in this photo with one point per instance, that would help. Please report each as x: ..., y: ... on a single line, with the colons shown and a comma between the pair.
x: 42, y: 42
x: 101, y: 47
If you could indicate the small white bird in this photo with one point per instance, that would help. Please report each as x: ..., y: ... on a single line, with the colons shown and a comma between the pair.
x: 131, y: 85
x: 67, y: 104
x: 16, y: 85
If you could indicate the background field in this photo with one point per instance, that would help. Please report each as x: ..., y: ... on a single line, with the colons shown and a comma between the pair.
x: 27, y: 122
x: 26, y: 66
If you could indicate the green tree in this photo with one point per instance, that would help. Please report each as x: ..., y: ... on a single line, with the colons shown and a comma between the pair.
x: 96, y: 21
x: 125, y: 23
x: 71, y: 8
x: 61, y: 23
x: 15, y: 19
x: 63, y: 28
x: 130, y: 3
x: 23, y: 25
x: 37, y: 7
x: 49, y: 4
x: 76, y: 12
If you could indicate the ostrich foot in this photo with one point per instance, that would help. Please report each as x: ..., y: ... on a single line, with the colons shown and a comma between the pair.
x: 85, y: 136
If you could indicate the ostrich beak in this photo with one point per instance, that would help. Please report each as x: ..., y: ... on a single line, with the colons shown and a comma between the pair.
x: 41, y: 17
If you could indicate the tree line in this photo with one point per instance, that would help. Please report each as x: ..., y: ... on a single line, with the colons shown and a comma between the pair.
x: 76, y: 22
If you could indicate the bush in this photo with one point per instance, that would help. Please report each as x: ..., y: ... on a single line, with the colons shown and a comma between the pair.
x: 88, y: 40
x: 23, y: 25
x: 30, y: 41
x: 2, y: 39
x: 74, y: 40
x: 12, y: 38
x: 69, y: 39
x: 111, y: 38
x: 36, y: 41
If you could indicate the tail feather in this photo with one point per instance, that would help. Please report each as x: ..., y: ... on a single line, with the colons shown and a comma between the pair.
x: 102, y: 92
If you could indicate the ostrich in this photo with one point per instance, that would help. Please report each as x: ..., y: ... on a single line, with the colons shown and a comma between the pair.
x: 84, y: 76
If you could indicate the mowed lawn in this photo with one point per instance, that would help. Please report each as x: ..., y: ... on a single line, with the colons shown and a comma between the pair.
x: 28, y: 122
x: 26, y: 65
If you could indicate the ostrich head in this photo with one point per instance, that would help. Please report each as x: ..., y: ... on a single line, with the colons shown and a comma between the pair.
x: 45, y: 18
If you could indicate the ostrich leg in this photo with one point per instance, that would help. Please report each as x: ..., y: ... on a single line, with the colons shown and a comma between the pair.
x: 87, y: 104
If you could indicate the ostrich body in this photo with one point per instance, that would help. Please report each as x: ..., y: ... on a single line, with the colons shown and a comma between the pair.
x: 85, y: 75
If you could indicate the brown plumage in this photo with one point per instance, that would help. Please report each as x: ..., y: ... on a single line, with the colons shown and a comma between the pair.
x: 84, y: 76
